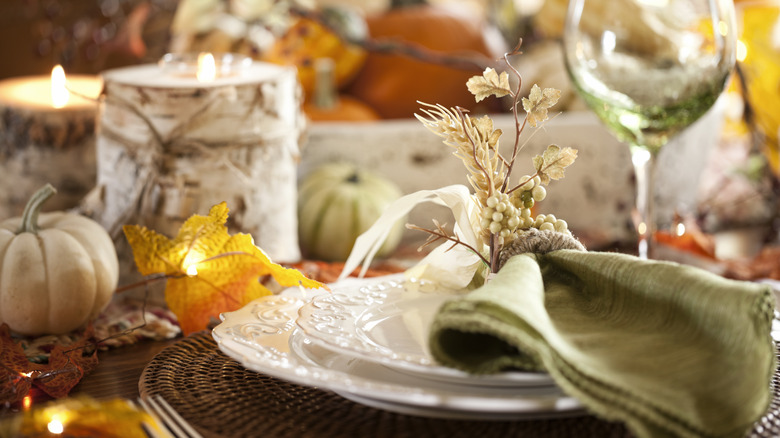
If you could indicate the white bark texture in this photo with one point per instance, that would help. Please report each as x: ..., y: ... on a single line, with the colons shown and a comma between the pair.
x: 164, y: 154
x: 39, y: 147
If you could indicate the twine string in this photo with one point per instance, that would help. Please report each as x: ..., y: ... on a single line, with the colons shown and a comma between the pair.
x: 177, y: 144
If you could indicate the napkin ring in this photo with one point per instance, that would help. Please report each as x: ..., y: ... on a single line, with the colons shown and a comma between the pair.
x: 538, y: 241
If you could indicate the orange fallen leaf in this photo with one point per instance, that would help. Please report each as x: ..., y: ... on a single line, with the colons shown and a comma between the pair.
x: 208, y: 271
x: 66, y: 366
x: 689, y: 242
x: 766, y: 264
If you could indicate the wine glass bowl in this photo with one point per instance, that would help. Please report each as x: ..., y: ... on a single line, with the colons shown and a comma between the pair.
x: 649, y: 69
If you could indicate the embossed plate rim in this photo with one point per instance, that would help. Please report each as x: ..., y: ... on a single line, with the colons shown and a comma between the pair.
x: 268, y: 352
x: 334, y: 321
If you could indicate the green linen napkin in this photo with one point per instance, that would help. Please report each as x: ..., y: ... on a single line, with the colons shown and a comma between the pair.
x: 670, y: 350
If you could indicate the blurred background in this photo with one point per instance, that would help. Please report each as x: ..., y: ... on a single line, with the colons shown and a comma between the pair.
x: 733, y: 175
x: 89, y: 36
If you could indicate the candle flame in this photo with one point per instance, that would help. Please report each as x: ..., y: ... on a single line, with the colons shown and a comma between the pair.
x: 207, y: 68
x: 59, y: 94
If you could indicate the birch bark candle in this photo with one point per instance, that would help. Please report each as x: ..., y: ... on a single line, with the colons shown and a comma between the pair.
x: 47, y: 135
x: 172, y: 143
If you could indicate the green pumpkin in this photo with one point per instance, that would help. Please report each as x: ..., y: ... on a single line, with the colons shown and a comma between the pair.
x: 336, y: 203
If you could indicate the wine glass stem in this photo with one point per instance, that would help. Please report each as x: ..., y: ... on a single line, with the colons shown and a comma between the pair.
x: 644, y: 169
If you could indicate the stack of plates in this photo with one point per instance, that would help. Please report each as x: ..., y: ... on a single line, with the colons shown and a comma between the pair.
x: 366, y: 340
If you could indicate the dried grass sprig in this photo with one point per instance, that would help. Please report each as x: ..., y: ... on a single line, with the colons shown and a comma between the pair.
x: 475, y: 143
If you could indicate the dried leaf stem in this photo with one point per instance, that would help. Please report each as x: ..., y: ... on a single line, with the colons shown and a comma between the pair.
x: 519, y: 127
x: 441, y: 234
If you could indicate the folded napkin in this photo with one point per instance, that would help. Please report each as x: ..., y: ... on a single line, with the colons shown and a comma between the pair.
x: 669, y: 350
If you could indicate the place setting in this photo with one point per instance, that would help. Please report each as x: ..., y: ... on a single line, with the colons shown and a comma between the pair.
x: 535, y: 326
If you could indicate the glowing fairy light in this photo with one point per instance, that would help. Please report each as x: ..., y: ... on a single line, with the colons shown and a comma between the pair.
x: 55, y: 425
x: 742, y: 51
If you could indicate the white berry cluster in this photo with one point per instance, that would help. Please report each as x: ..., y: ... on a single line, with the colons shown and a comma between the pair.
x: 502, y: 214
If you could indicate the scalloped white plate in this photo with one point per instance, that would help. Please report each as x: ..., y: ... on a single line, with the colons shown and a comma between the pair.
x: 263, y: 338
x: 386, y: 322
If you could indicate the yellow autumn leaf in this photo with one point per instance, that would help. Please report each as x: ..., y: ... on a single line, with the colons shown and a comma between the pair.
x: 208, y: 271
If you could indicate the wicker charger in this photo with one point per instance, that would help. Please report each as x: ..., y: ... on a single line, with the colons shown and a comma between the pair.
x: 223, y: 399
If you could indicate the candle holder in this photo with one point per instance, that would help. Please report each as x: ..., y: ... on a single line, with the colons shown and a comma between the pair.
x: 170, y: 146
x: 186, y: 64
x: 44, y: 141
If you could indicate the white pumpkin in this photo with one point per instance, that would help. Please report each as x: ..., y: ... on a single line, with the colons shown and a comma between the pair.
x: 336, y: 203
x: 57, y: 270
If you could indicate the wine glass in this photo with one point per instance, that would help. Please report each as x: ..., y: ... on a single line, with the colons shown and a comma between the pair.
x: 648, y: 69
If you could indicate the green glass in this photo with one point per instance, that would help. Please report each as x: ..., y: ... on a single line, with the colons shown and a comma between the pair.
x: 649, y: 69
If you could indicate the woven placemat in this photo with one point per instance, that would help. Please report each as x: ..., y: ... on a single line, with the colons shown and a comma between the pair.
x: 223, y: 399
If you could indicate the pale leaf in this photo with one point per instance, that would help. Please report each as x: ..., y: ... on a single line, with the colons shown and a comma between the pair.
x: 457, y: 197
x: 489, y: 84
x: 538, y: 102
x: 552, y: 163
x: 451, y: 267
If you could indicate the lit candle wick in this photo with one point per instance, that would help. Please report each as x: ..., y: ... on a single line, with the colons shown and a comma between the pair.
x: 207, y: 69
x: 59, y: 94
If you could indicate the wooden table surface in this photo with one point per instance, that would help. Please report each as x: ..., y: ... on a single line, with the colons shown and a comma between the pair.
x: 116, y: 375
x: 119, y: 370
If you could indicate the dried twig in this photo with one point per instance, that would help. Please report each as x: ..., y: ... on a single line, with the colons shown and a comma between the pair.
x: 441, y: 234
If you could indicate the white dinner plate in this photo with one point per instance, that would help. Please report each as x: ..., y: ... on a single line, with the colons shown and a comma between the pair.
x: 263, y: 338
x: 386, y: 321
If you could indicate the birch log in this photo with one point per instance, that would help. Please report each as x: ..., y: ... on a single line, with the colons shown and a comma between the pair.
x: 40, y: 144
x: 169, y: 147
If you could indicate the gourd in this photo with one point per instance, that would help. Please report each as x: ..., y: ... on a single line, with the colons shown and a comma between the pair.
x: 309, y: 39
x: 57, y: 270
x: 392, y: 83
x: 327, y: 105
x: 336, y: 203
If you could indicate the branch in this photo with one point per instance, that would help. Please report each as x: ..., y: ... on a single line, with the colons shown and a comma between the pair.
x: 467, y: 60
x: 145, y: 282
x: 515, y: 102
x: 440, y: 233
x: 530, y: 178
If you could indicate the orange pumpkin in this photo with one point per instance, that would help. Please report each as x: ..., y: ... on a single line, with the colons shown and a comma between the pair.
x: 308, y: 39
x: 326, y: 105
x: 392, y: 83
x: 343, y: 109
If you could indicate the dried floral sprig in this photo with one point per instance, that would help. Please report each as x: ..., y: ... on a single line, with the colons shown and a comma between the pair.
x: 441, y: 233
x: 475, y: 143
x: 503, y: 209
